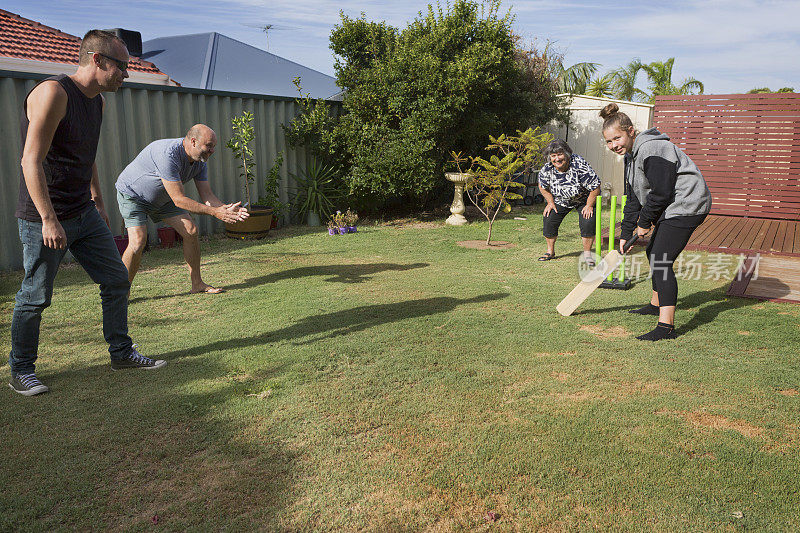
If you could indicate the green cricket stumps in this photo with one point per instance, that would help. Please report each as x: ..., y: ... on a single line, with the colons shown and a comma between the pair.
x: 598, y: 226
x: 611, y: 228
x: 622, y: 263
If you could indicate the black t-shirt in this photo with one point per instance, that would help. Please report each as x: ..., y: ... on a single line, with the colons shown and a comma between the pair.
x: 68, y: 163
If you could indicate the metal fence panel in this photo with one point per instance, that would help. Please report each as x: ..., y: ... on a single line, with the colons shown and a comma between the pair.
x: 137, y: 115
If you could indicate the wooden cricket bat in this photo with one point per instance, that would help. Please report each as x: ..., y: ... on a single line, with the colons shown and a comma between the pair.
x: 593, y: 280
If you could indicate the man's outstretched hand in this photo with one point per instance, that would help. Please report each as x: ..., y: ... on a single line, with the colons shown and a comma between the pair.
x: 232, y: 213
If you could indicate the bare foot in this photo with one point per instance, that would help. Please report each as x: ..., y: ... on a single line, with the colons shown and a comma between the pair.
x: 207, y: 289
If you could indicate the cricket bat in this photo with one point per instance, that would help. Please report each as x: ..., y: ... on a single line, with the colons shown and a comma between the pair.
x: 593, y: 280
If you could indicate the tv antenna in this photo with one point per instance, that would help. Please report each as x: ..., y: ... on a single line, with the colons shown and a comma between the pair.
x: 266, y: 28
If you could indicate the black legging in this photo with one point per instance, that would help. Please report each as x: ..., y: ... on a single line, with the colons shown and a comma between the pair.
x: 669, y: 238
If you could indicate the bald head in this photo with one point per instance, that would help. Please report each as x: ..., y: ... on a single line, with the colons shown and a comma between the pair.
x: 200, y: 131
x: 200, y: 142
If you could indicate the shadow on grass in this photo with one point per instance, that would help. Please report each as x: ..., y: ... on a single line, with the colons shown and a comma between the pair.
x: 345, y: 322
x: 336, y: 273
x: 124, y: 447
x: 354, y: 273
x: 707, y: 314
x: 701, y: 302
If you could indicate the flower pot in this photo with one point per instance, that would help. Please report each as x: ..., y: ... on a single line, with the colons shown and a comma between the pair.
x: 256, y: 226
x: 122, y: 243
x: 313, y: 219
x: 167, y: 237
x: 342, y: 230
x: 351, y: 229
x: 333, y: 231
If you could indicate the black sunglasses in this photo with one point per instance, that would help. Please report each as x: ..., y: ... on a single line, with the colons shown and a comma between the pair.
x: 121, y: 65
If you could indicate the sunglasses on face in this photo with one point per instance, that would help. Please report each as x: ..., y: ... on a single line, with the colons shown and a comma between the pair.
x: 121, y: 65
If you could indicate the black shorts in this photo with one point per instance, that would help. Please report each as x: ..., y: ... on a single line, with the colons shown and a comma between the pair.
x: 553, y: 220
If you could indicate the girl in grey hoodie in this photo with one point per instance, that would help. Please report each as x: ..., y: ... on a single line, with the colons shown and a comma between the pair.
x: 666, y: 193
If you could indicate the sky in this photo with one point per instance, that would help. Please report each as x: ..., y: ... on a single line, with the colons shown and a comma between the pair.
x: 730, y: 45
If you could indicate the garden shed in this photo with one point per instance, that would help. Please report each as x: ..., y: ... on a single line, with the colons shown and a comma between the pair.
x: 584, y: 135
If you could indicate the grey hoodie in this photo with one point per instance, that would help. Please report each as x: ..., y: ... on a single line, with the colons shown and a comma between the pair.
x: 661, y: 182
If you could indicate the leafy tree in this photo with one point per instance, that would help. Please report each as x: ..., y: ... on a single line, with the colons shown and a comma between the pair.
x: 762, y: 90
x: 313, y: 128
x: 602, y: 86
x: 575, y: 78
x: 539, y: 83
x: 443, y: 83
x: 243, y: 135
x: 492, y: 179
x: 625, y: 81
x: 659, y: 76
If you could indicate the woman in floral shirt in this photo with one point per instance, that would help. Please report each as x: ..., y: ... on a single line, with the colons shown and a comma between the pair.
x: 568, y: 182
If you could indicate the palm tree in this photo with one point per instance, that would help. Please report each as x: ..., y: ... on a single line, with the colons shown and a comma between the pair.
x: 625, y: 81
x: 574, y: 79
x: 659, y: 75
x: 602, y: 86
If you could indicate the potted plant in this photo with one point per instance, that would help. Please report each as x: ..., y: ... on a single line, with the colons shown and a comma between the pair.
x: 314, y: 192
x: 332, y: 229
x: 350, y: 220
x: 257, y: 225
x: 338, y: 220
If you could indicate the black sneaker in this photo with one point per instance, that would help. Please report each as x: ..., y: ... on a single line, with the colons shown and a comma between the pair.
x: 27, y: 384
x: 136, y: 360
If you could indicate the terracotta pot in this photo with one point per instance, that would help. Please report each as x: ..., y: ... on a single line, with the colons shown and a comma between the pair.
x: 256, y: 226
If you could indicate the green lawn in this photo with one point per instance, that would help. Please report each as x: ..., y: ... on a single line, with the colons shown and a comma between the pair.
x: 393, y: 380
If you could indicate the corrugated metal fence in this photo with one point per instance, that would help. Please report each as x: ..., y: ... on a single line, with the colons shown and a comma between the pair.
x: 137, y: 115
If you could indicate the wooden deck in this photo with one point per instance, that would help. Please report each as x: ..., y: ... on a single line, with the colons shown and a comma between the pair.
x: 772, y: 278
x: 741, y: 235
x: 738, y: 235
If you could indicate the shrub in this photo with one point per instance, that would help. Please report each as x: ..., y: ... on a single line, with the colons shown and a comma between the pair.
x: 442, y: 84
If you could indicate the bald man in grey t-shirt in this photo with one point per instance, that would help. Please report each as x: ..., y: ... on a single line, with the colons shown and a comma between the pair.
x: 152, y: 186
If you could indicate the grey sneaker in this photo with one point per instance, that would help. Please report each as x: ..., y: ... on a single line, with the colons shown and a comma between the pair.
x: 27, y: 384
x: 136, y: 360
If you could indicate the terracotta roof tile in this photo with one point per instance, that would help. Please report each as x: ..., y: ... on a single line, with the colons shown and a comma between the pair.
x: 25, y: 39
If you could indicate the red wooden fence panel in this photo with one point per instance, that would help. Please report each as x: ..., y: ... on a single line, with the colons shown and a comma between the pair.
x: 746, y: 145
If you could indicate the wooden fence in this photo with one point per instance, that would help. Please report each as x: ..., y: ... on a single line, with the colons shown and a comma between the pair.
x: 746, y: 145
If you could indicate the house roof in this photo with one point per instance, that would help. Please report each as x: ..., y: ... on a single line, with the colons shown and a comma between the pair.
x: 217, y: 62
x: 26, y: 39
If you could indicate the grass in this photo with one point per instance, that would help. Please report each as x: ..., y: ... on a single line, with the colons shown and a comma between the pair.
x: 392, y: 380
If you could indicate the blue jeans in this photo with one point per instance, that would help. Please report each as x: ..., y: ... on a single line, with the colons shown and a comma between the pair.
x: 92, y: 245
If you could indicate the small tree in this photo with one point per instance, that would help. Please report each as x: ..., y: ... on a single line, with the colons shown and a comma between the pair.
x: 271, y: 197
x: 243, y: 135
x: 492, y: 179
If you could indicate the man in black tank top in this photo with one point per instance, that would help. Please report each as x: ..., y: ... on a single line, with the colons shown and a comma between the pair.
x: 60, y: 207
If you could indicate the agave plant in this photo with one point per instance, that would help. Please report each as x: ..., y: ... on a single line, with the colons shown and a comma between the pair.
x: 315, y: 190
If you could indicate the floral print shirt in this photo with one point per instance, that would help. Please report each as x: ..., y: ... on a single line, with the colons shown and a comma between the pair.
x: 570, y: 188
